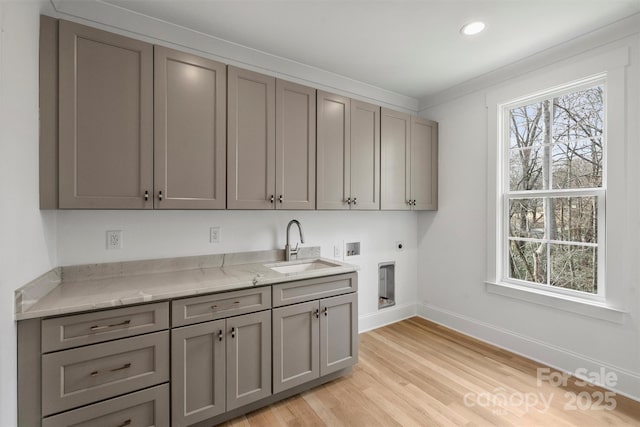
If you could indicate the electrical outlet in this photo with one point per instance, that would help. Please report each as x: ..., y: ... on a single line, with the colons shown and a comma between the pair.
x: 337, y: 251
x: 214, y: 235
x: 400, y: 246
x: 114, y: 239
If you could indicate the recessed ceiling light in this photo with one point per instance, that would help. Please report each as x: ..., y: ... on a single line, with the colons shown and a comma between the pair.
x: 472, y: 28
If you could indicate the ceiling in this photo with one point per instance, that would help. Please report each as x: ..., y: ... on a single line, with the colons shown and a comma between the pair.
x: 410, y: 47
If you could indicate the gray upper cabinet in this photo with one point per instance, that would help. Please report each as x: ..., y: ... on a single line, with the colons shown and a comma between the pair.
x: 424, y: 164
x: 295, y: 146
x: 190, y: 131
x: 105, y: 119
x: 365, y: 156
x: 334, y: 134
x: 348, y: 153
x: 271, y: 143
x: 395, y: 160
x: 250, y: 140
x: 409, y: 162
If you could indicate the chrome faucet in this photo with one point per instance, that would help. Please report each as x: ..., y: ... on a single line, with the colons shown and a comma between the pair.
x: 287, y: 249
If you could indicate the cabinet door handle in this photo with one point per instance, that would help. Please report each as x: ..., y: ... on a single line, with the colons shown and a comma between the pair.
x: 146, y: 195
x: 414, y: 202
x: 233, y: 332
x: 281, y: 198
x: 121, y: 368
x: 96, y: 328
x: 271, y: 199
x: 317, y: 313
x: 326, y: 311
x: 160, y: 195
x: 126, y: 423
x: 354, y: 201
x: 215, y: 306
x: 220, y: 335
x: 349, y: 200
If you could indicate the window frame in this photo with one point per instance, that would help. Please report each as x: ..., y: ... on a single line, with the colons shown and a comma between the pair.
x: 506, y: 194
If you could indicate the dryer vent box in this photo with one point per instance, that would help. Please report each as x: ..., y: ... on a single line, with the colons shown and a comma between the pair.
x: 386, y: 284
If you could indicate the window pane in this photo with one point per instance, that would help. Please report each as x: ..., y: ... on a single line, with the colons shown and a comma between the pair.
x: 526, y: 126
x: 528, y: 261
x: 579, y: 115
x: 575, y: 219
x: 578, y: 164
x: 574, y: 267
x: 525, y: 169
x: 526, y: 218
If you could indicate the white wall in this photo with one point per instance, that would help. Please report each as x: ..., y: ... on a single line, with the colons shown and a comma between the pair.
x: 453, y: 248
x: 161, y: 234
x: 32, y: 242
x: 27, y: 236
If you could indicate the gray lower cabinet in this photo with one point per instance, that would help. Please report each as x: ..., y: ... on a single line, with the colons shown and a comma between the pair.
x: 198, y: 372
x: 296, y: 343
x: 338, y: 333
x: 189, y: 361
x: 313, y: 339
x: 146, y: 408
x: 219, y: 365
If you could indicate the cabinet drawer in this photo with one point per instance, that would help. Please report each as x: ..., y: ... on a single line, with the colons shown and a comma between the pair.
x: 91, y: 328
x: 79, y: 376
x: 147, y: 408
x: 210, y: 307
x: 307, y: 290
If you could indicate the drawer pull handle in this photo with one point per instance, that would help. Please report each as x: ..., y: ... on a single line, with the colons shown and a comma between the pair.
x: 126, y: 423
x: 103, y: 327
x: 215, y: 307
x: 233, y: 332
x: 326, y: 311
x: 125, y: 366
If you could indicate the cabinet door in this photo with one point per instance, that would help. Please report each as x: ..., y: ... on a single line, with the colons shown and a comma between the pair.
x: 296, y: 342
x: 365, y: 156
x: 395, y: 142
x: 295, y: 146
x: 190, y: 131
x: 250, y: 140
x: 424, y: 163
x: 197, y: 372
x: 338, y: 333
x: 248, y: 358
x: 334, y: 134
x: 106, y: 120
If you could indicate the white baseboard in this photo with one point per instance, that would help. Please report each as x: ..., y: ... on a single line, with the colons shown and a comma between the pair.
x: 386, y: 316
x: 628, y: 383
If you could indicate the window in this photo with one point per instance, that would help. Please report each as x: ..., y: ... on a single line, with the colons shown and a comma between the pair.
x: 553, y: 188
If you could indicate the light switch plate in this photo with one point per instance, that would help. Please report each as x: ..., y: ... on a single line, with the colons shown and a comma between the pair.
x: 214, y: 235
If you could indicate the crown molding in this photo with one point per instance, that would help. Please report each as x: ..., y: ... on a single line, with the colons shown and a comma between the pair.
x: 618, y: 30
x: 133, y: 24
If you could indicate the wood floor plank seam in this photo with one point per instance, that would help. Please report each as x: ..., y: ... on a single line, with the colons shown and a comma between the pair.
x: 415, y: 373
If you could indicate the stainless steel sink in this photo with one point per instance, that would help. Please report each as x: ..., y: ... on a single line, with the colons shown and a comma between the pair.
x: 301, y: 266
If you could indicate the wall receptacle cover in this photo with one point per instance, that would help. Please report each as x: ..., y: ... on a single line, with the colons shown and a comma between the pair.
x: 114, y: 239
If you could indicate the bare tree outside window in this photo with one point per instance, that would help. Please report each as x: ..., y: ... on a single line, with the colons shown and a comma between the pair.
x: 554, y: 189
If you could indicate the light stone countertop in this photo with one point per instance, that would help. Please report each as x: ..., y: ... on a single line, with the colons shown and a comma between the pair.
x: 67, y: 290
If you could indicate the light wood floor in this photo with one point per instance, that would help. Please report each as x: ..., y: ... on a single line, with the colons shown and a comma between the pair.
x: 417, y: 373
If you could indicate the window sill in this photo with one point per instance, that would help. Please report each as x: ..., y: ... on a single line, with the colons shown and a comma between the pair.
x: 561, y: 302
